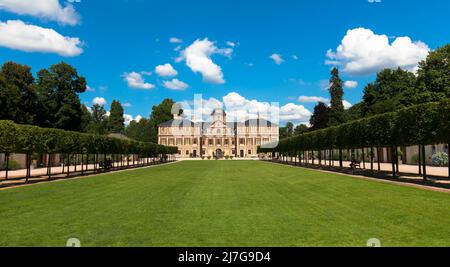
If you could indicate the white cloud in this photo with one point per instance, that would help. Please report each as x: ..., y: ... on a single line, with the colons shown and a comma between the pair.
x: 90, y: 89
x: 198, y: 59
x: 351, y: 84
x: 17, y: 35
x: 129, y: 118
x: 175, y: 40
x: 99, y: 101
x: 316, y: 99
x: 166, y: 70
x: 175, y: 84
x: 277, y: 59
x: 364, y: 52
x: 239, y: 108
x: 232, y: 44
x: 312, y: 99
x: 374, y: 1
x: 347, y: 105
x: 295, y: 57
x: 126, y: 105
x: 46, y: 9
x: 136, y: 81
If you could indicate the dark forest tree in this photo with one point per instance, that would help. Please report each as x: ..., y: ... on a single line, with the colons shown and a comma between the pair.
x: 337, y: 114
x: 99, y: 121
x: 160, y: 113
x: 18, y: 91
x: 320, y: 118
x: 58, y: 88
x: 116, y: 121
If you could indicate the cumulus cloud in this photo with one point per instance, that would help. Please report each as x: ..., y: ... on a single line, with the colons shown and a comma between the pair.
x: 17, y: 35
x: 347, y: 105
x: 316, y: 99
x: 312, y: 99
x: 351, y: 84
x: 277, y: 59
x: 374, y: 1
x: 363, y: 52
x: 232, y: 44
x: 175, y: 40
x: 166, y: 70
x: 175, y: 84
x: 239, y: 109
x: 46, y: 9
x: 99, y: 101
x: 136, y: 81
x: 198, y: 59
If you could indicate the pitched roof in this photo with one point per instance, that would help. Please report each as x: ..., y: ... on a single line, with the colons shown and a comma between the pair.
x: 177, y: 123
x: 259, y: 122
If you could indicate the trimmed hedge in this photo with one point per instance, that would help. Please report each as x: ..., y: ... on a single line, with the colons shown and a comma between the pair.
x: 15, y: 138
x: 424, y: 124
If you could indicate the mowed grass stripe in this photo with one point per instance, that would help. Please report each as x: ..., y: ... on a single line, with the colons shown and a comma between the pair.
x: 223, y: 203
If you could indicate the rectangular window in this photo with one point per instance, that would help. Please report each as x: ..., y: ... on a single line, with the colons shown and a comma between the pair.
x: 179, y: 141
x: 187, y: 141
x: 211, y: 142
x: 171, y: 141
x: 242, y: 141
x: 163, y: 141
x: 187, y: 152
x: 250, y: 141
x: 194, y: 141
x: 226, y: 142
x: 249, y: 152
x: 218, y: 142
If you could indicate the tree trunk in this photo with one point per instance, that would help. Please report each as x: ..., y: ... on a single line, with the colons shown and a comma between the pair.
x: 393, y: 162
x: 341, y: 165
x: 364, y: 158
x: 396, y: 159
x: 371, y: 159
x: 68, y: 165
x: 424, y: 163
x: 448, y: 159
x: 7, y: 166
x: 379, y: 159
x: 420, y: 160
x: 49, y: 166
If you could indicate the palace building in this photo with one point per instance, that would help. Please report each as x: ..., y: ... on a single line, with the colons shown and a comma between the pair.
x: 217, y: 138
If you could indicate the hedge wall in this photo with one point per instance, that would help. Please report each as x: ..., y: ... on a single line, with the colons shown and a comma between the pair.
x: 424, y: 124
x: 15, y: 138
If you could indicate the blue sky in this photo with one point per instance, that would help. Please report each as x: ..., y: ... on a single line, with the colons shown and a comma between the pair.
x: 237, y: 44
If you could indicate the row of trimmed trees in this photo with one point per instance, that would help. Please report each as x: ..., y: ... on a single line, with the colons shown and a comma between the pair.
x: 418, y: 125
x: 27, y: 139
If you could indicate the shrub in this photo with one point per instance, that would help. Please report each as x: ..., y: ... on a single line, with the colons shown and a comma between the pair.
x: 209, y: 157
x: 440, y: 159
x: 415, y: 159
x: 12, y: 165
x: 227, y: 157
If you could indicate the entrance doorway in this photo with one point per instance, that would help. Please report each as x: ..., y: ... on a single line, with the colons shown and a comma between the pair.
x: 242, y: 153
x: 219, y: 153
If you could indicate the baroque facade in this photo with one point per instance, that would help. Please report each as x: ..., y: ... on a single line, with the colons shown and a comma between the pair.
x: 217, y: 138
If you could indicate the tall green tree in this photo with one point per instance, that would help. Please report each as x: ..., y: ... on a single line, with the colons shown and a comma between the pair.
x: 321, y: 117
x: 86, y: 119
x: 337, y: 114
x: 140, y: 131
x: 10, y: 100
x: 58, y: 88
x: 392, y: 90
x: 19, y: 78
x: 290, y: 129
x: 116, y: 121
x: 434, y: 72
x: 99, y: 121
x: 160, y: 113
x: 301, y: 129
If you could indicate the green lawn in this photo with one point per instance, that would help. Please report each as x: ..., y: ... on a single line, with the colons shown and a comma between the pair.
x: 226, y: 203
